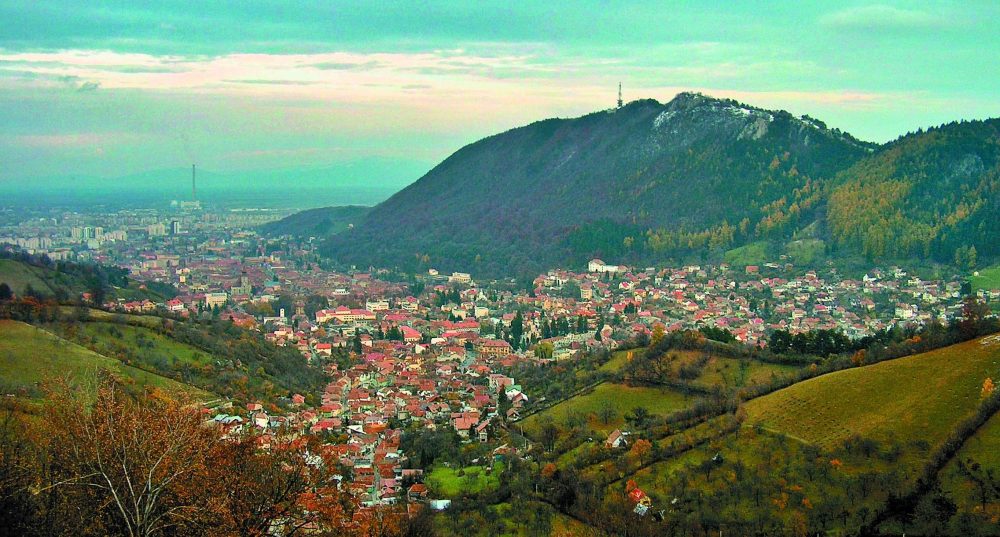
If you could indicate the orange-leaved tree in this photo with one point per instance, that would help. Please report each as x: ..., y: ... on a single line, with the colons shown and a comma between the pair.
x: 129, y: 466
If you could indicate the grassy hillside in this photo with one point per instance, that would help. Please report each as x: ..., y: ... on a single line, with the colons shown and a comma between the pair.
x: 19, y: 276
x: 959, y: 477
x: 222, y: 359
x: 754, y: 253
x: 921, y: 396
x: 733, y: 373
x: 622, y: 399
x: 987, y: 278
x: 30, y: 356
x: 67, y: 281
x: 829, y: 452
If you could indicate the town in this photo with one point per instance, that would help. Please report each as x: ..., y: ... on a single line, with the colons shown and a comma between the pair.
x: 437, y: 350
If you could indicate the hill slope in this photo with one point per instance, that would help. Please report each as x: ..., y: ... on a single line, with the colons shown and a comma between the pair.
x: 562, y: 190
x: 322, y: 222
x: 920, y: 396
x: 32, y: 356
x: 67, y: 281
x: 224, y: 359
x: 930, y: 194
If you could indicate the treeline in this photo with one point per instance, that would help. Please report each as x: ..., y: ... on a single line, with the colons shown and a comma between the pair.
x: 903, y: 505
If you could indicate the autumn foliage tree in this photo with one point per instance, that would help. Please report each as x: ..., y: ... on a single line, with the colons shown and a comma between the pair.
x: 115, y: 462
x: 136, y: 467
x: 262, y: 489
x: 641, y: 449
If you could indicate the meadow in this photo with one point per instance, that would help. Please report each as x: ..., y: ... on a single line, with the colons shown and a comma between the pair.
x: 621, y: 398
x: 448, y: 482
x: 20, y: 275
x: 982, y: 448
x: 988, y: 278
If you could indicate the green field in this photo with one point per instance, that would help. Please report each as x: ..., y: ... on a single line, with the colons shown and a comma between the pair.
x: 917, y: 397
x: 523, y: 518
x: 733, y: 373
x: 983, y: 448
x: 114, y: 336
x: 29, y: 356
x: 805, y: 251
x: 622, y: 398
x: 989, y: 278
x: 754, y: 253
x: 619, y: 359
x: 20, y: 275
x: 446, y: 482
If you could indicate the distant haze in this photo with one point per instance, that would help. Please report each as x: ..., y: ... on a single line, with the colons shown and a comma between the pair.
x: 359, y: 183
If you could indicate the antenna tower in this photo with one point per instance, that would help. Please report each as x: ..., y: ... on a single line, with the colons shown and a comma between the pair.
x: 619, y: 95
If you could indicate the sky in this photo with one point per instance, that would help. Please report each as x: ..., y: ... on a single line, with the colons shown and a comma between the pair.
x: 118, y: 87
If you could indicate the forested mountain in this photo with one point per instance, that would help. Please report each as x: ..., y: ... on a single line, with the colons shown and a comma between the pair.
x: 691, y: 178
x: 931, y: 194
x: 321, y: 222
x: 647, y: 180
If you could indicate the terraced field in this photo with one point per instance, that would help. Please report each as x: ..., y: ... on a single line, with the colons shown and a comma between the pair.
x: 918, y: 397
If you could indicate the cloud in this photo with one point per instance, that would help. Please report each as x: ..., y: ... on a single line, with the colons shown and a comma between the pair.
x: 74, y: 82
x: 86, y: 139
x: 880, y: 17
x: 88, y: 87
x: 265, y: 82
x: 343, y: 66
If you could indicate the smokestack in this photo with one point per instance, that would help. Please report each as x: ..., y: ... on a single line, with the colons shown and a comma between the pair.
x: 194, y: 192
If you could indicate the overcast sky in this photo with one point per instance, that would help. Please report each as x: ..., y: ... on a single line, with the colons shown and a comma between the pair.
x: 109, y: 88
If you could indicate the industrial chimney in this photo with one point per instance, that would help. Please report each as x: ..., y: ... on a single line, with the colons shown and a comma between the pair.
x: 194, y: 192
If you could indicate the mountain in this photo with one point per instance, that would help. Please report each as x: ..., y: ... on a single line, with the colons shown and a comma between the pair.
x: 649, y: 180
x: 932, y: 194
x: 321, y: 222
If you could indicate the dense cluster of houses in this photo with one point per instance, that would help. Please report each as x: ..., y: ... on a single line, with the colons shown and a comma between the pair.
x: 440, y: 356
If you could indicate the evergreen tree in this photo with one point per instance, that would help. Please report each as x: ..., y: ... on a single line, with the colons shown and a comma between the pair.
x: 517, y: 330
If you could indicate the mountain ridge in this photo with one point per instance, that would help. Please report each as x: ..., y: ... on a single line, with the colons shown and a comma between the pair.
x: 524, y: 199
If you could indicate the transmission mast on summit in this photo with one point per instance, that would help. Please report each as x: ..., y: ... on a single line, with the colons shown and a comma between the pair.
x: 619, y: 95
